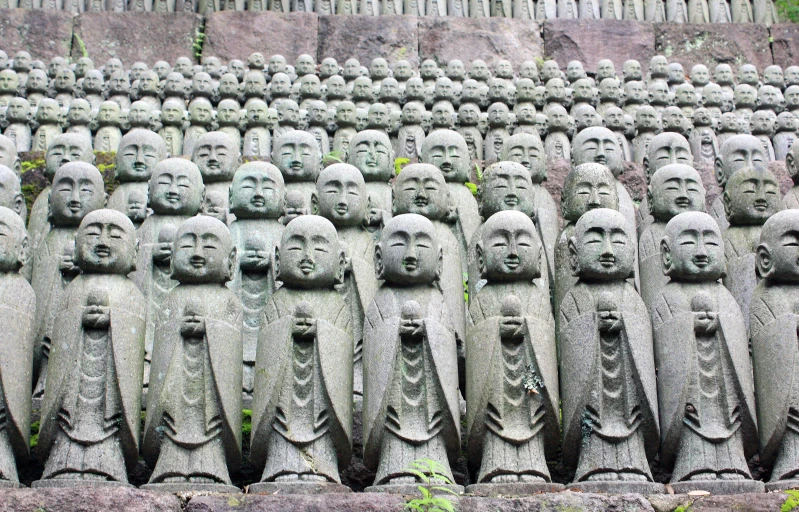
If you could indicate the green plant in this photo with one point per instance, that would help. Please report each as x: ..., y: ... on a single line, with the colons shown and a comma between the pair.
x: 792, y: 502
x: 430, y: 472
x: 81, y: 45
x: 246, y: 422
x: 472, y: 187
x: 479, y: 172
x: 199, y: 39
x: 34, y: 434
x: 788, y: 9
x: 399, y: 163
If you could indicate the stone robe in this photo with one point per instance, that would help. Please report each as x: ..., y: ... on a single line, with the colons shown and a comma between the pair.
x: 322, y: 138
x: 557, y: 146
x: 20, y: 134
x: 608, y: 388
x: 704, y: 145
x: 713, y: 375
x: 193, y: 426
x: 494, y: 140
x: 650, y: 265
x: 257, y: 143
x: 474, y: 141
x: 411, y: 400
x: 38, y: 223
x: 91, y: 411
x: 44, y: 136
x: 409, y: 142
x: 740, y: 244
x: 107, y: 138
x: 509, y: 429
x: 302, y: 406
x: 791, y: 198
x: 173, y: 138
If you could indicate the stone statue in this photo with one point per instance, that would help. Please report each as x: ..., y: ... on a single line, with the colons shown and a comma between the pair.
x: 229, y: 120
x: 36, y: 87
x: 511, y: 368
x: 765, y: 12
x: 77, y: 190
x: 704, y: 144
x: 318, y: 122
x: 18, y: 303
x: 729, y: 126
x: 139, y: 152
x: 673, y: 189
x: 11, y: 197
x: 91, y: 418
x: 118, y: 89
x: 18, y: 116
x: 173, y: 113
x: 108, y: 133
x: 610, y: 410
x: 192, y: 433
x: 557, y: 143
x: 302, y: 414
x: 647, y: 125
x: 288, y: 116
x: 411, y: 134
x: 48, y: 116
x: 64, y: 87
x: 737, y: 152
x: 79, y: 117
x: 345, y: 120
x: 791, y: 198
x: 442, y: 116
x: 410, y: 358
x: 9, y: 155
x: 9, y: 86
x: 774, y: 76
x: 175, y: 194
x: 773, y: 329
x: 761, y: 125
x: 614, y: 120
x: 372, y: 154
x: 257, y: 142
x: 707, y: 404
x: 297, y: 156
x: 217, y: 157
x: 200, y: 119
x: 664, y: 149
x: 785, y: 135
x: 750, y: 197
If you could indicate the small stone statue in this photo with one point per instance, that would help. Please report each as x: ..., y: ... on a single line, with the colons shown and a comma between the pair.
x: 108, y: 133
x: 345, y: 120
x: 92, y: 87
x: 36, y: 87
x: 77, y: 190
x: 442, y: 116
x: 411, y: 135
x: 773, y: 330
x: 761, y: 125
x: 302, y: 413
x: 673, y: 189
x: 674, y: 120
x: 79, y: 117
x: 192, y: 433
x: 785, y: 135
x: 19, y: 303
x: 173, y: 113
x: 707, y: 407
x: 9, y: 86
x: 664, y: 149
x: 410, y: 359
x: 118, y: 89
x: 139, y: 152
x: 791, y: 198
x: 729, y: 126
x: 750, y: 198
x: 217, y: 157
x: 647, y: 125
x: 372, y: 154
x: 610, y: 410
x: 557, y: 143
x: 737, y: 152
x: 659, y: 95
x: 18, y: 116
x: 201, y: 120
x: 288, y: 116
x: 774, y: 77
x: 229, y: 120
x: 89, y: 434
x: 514, y: 421
x: 614, y: 121
x: 11, y: 197
x: 257, y: 142
x: 297, y: 156
x: 48, y: 116
x: 704, y: 144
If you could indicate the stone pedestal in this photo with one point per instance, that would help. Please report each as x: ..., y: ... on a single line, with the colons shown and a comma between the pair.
x: 618, y: 487
x: 719, y: 486
x: 413, y: 489
x: 189, y: 487
x: 76, y: 483
x: 513, y: 489
x: 297, y: 488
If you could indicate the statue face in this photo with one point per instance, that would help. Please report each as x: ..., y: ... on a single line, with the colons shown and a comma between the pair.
x: 362, y: 88
x: 256, y: 113
x: 575, y: 71
x: 585, y: 116
x: 55, y: 65
x: 589, y: 186
x: 745, y: 96
x: 9, y: 82
x: 498, y: 114
x: 67, y: 149
x: 176, y: 188
x: 751, y: 197
x: 414, y: 88
x: 598, y: 145
x: 48, y: 111
x: 18, y: 111
x: 443, y: 88
x: 172, y: 112
x: 345, y: 113
x: 659, y: 66
x: 403, y: 70
x: 335, y: 87
x: 456, y: 70
x: 373, y: 157
x: 602, y: 248
x: 510, y: 249
x: 769, y: 96
x: 297, y: 157
x: 634, y: 91
x: 686, y: 94
x: 583, y: 90
x: 700, y: 75
x: 507, y: 186
x: 227, y: 112
x: 161, y: 68
x: 792, y: 75
x: 659, y: 93
x: 525, y: 113
x: 528, y: 151
x: 80, y: 112
x: 529, y: 70
x: 792, y: 97
x: 22, y: 61
x: 214, y: 206
x: 421, y: 189
x: 109, y: 113
x: 786, y: 122
x: 614, y: 118
x: 174, y: 84
x: 329, y: 67
x: 200, y: 254
x: 378, y: 116
x: 778, y: 253
x: 479, y: 71
x: 216, y: 156
x: 309, y: 253
x: 77, y: 190
x: 280, y: 85
x: 254, y: 83
x: 605, y: 69
x: 288, y: 113
x: 408, y: 252
x: 723, y: 74
x: 352, y: 68
x: 673, y: 119
x: 13, y: 241
x: 106, y: 243
x: 747, y: 74
x: 257, y: 191
x: 693, y: 249
x: 412, y: 113
x: 555, y: 90
x: 10, y: 190
x: 665, y: 149
x: 93, y: 81
x: 504, y: 69
x: 118, y: 83
x: 379, y: 69
x: 550, y: 70
x: 277, y: 64
x: 676, y: 73
x: 675, y: 189
x: 256, y: 61
x: 738, y: 152
x: 200, y: 111
x: 389, y: 89
x: 762, y: 121
x: 137, y: 70
x: 138, y: 155
x: 114, y: 65
x: 449, y: 153
x: 341, y: 195
x: 148, y: 83
x: 711, y: 95
x: 470, y: 89
x: 729, y: 122
x: 442, y: 114
x: 558, y: 119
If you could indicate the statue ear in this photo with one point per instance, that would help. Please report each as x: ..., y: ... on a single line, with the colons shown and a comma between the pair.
x: 277, y: 263
x: 649, y: 196
x: 17, y: 166
x: 23, y: 252
x: 440, y: 266
x: 380, y: 271
x: 231, y: 264
x: 574, y: 261
x: 342, y: 267
x: 718, y: 168
x: 665, y: 256
x: 725, y: 199
x: 791, y: 164
x: 314, y: 204
x: 19, y: 203
x: 481, y: 263
x: 763, y: 262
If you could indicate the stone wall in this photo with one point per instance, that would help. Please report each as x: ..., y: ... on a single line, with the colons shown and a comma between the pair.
x: 133, y: 36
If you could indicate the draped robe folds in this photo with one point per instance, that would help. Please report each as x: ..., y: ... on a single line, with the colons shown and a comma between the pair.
x: 740, y: 244
x: 91, y: 422
x: 650, y: 265
x: 546, y: 9
x: 17, y: 303
x: 741, y: 11
x: 253, y: 289
x: 493, y: 143
x: 409, y: 142
x: 677, y: 361
x: 44, y: 136
x: 173, y: 138
x: 458, y: 8
x: 719, y: 215
x: 589, y: 9
x: 765, y: 12
x: 557, y: 146
x: 49, y: 283
x: 782, y: 144
x: 633, y: 10
x: 627, y: 423
x: 21, y: 135
x: 452, y: 276
x: 380, y: 197
x: 107, y: 138
x: 499, y: 430
x: 698, y: 11
x: 791, y: 198
x: 38, y: 223
x: 154, y: 281
x: 775, y: 351
x: 474, y: 141
x: 176, y: 442
x: 392, y: 439
x: 478, y: 8
x: 567, y: 9
x: 191, y: 135
x: 704, y: 145
x: 257, y: 142
x: 119, y: 199
x: 284, y: 438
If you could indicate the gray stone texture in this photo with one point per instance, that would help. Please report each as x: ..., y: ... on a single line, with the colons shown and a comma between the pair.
x: 88, y: 500
x: 489, y: 39
x: 710, y: 44
x: 135, y: 36
x: 590, y: 41
x: 785, y: 46
x: 236, y: 34
x: 45, y: 34
x: 366, y: 37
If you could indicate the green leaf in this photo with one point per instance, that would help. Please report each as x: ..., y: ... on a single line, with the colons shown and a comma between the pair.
x: 445, y: 489
x: 472, y: 187
x: 399, y: 163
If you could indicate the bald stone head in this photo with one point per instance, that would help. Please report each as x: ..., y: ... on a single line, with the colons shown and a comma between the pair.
x: 65, y: 148
x: 257, y: 192
x: 13, y: 242
x: 447, y: 150
x: 217, y: 156
x: 693, y: 249
x: 296, y: 154
x: 203, y: 252
x: 751, y: 196
x: 598, y: 145
x: 106, y: 243
x: 176, y: 188
x: 11, y: 192
x: 408, y: 252
x: 777, y: 255
x: 341, y: 196
x: 603, y: 246
x: 78, y: 189
x: 526, y: 149
x: 421, y: 189
x: 506, y: 186
x: 664, y: 149
x: 738, y: 152
x: 509, y: 249
x: 309, y: 255
x: 674, y: 189
x: 587, y: 187
x: 372, y: 153
x: 8, y: 154
x: 139, y: 152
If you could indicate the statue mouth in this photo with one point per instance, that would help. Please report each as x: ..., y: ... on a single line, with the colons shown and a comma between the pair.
x: 512, y: 262
x: 342, y: 209
x: 511, y: 200
x: 683, y: 202
x: 760, y: 206
x: 607, y: 261
x: 258, y: 202
x: 601, y: 159
x: 410, y: 264
x: 197, y: 261
x: 102, y: 251
x: 173, y: 198
x: 701, y: 261
x: 296, y: 166
x: 420, y: 202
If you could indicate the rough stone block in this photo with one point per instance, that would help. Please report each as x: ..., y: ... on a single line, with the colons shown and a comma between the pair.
x: 489, y: 39
x: 135, y: 36
x: 710, y: 44
x: 366, y: 37
x: 785, y: 44
x: 86, y: 499
x: 235, y: 34
x: 352, y: 502
x: 43, y: 34
x: 590, y: 41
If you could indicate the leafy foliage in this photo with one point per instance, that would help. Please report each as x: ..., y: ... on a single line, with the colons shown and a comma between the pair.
x: 788, y: 9
x: 34, y: 434
x: 792, y: 502
x: 399, y: 163
x: 430, y: 472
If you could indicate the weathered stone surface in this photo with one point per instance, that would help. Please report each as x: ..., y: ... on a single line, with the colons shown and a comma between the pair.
x: 742, y: 502
x: 87, y: 500
x: 43, y: 34
x: 366, y: 37
x: 590, y: 41
x: 557, y: 171
x: 781, y: 173
x: 489, y: 39
x: 785, y: 44
x: 362, y: 502
x: 236, y: 34
x: 634, y: 180
x: 711, y: 44
x: 135, y: 36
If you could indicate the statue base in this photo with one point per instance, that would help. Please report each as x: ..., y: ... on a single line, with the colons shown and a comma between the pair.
x: 189, y: 487
x: 7, y: 484
x: 719, y: 486
x: 618, y: 487
x: 781, y: 485
x: 411, y: 488
x: 297, y: 488
x: 52, y: 483
x: 513, y: 489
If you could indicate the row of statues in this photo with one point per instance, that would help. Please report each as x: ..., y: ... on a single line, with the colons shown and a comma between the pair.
x: 673, y: 11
